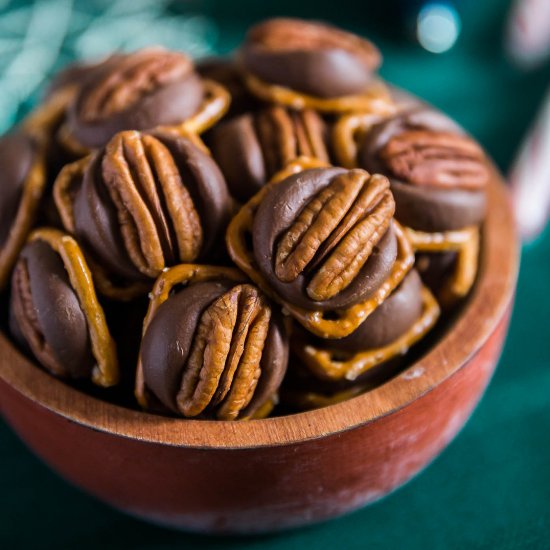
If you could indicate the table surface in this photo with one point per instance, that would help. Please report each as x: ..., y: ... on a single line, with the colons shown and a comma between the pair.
x: 491, y: 487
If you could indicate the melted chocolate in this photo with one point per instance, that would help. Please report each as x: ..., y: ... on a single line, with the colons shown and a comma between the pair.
x: 96, y: 221
x: 47, y: 312
x: 388, y: 321
x: 237, y: 149
x: 206, y: 184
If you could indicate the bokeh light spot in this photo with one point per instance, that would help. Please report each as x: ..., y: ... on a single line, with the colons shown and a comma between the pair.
x: 438, y: 27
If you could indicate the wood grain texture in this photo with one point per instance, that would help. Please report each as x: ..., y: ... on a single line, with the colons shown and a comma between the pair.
x: 280, y: 472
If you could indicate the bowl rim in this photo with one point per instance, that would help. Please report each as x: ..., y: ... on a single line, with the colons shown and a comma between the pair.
x: 486, y: 306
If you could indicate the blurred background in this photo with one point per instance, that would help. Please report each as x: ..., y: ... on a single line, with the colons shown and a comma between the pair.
x: 486, y: 63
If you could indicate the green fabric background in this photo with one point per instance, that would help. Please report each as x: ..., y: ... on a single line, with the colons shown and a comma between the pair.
x: 491, y: 487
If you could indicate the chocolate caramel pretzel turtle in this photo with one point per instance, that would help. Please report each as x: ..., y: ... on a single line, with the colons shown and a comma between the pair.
x: 55, y: 312
x: 212, y: 346
x: 139, y: 91
x: 252, y: 147
x: 438, y: 176
x: 303, y: 64
x: 144, y: 202
x: 322, y: 242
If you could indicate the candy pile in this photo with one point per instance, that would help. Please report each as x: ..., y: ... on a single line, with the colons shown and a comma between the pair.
x: 281, y: 227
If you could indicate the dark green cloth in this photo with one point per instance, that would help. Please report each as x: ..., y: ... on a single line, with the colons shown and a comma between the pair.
x: 491, y: 487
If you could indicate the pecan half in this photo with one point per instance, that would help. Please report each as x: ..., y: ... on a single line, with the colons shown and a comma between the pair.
x: 336, y: 232
x: 158, y: 220
x: 438, y: 159
x: 285, y: 135
x: 223, y: 366
x: 130, y: 79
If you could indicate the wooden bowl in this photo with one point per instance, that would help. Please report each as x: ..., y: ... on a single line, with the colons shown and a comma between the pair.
x: 267, y: 475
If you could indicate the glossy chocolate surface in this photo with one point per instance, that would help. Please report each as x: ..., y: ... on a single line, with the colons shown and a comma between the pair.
x: 237, y: 149
x: 206, y: 184
x: 47, y: 313
x: 277, y: 212
x: 388, y: 321
x: 96, y: 224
